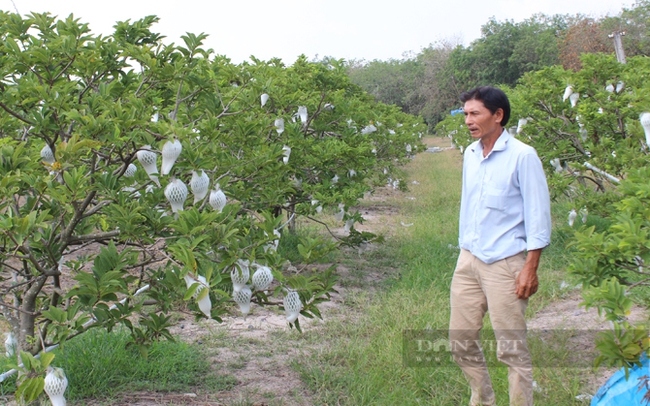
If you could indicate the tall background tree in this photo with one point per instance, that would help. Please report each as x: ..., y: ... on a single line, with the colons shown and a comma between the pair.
x: 635, y: 22
x: 428, y: 83
x: 583, y: 35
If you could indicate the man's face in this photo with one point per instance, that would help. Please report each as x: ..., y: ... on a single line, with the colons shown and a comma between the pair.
x: 480, y: 121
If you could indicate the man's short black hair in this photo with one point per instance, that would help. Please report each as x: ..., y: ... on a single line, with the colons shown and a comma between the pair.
x: 493, y: 99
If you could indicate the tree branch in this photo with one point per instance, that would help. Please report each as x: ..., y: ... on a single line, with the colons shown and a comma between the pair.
x: 76, y: 218
x: 178, y: 101
x: 227, y: 106
x: 145, y: 79
x: 94, y: 237
x: 18, y: 309
x: 17, y: 285
x: 64, y: 69
x: 13, y: 113
x: 97, y: 208
x: 317, y: 221
x: 641, y: 282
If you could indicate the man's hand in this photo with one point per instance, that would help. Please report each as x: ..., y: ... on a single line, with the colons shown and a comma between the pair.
x: 527, y: 282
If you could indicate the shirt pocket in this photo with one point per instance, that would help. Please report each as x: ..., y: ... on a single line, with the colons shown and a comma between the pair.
x: 496, y: 201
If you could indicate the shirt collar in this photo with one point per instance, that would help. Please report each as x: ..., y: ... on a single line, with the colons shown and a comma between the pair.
x: 502, y: 141
x: 499, y: 145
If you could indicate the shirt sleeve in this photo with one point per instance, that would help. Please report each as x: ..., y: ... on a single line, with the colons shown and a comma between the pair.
x: 536, y: 202
x: 463, y: 203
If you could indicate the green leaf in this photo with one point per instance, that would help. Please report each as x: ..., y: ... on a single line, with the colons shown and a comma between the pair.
x: 55, y: 314
x: 46, y: 359
x: 204, y: 292
x: 30, y: 389
x: 191, y: 290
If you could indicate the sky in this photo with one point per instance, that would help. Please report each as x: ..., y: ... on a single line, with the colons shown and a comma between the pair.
x: 349, y: 29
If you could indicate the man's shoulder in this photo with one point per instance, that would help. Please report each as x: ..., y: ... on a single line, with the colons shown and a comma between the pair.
x: 520, y: 147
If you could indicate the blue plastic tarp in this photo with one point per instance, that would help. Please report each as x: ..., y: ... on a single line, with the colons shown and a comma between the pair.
x: 618, y: 391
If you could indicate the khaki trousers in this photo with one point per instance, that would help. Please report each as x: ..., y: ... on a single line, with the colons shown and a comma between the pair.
x: 475, y: 289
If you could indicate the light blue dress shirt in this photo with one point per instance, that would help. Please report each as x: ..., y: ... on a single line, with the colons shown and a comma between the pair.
x: 505, y: 206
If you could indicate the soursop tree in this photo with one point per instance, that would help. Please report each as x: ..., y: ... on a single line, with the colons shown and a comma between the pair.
x: 107, y: 146
x: 587, y: 130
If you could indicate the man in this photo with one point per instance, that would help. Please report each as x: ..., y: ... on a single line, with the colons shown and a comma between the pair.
x: 504, y: 225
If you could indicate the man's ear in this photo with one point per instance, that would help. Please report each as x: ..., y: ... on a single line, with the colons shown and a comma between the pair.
x: 498, y: 115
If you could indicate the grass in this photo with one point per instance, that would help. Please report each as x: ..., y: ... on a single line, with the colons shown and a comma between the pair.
x: 7, y: 387
x: 99, y: 366
x: 365, y: 366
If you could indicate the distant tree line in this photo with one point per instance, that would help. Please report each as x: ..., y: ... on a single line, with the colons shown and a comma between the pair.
x: 428, y: 83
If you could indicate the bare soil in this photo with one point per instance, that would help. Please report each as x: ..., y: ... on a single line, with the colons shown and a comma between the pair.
x: 585, y: 324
